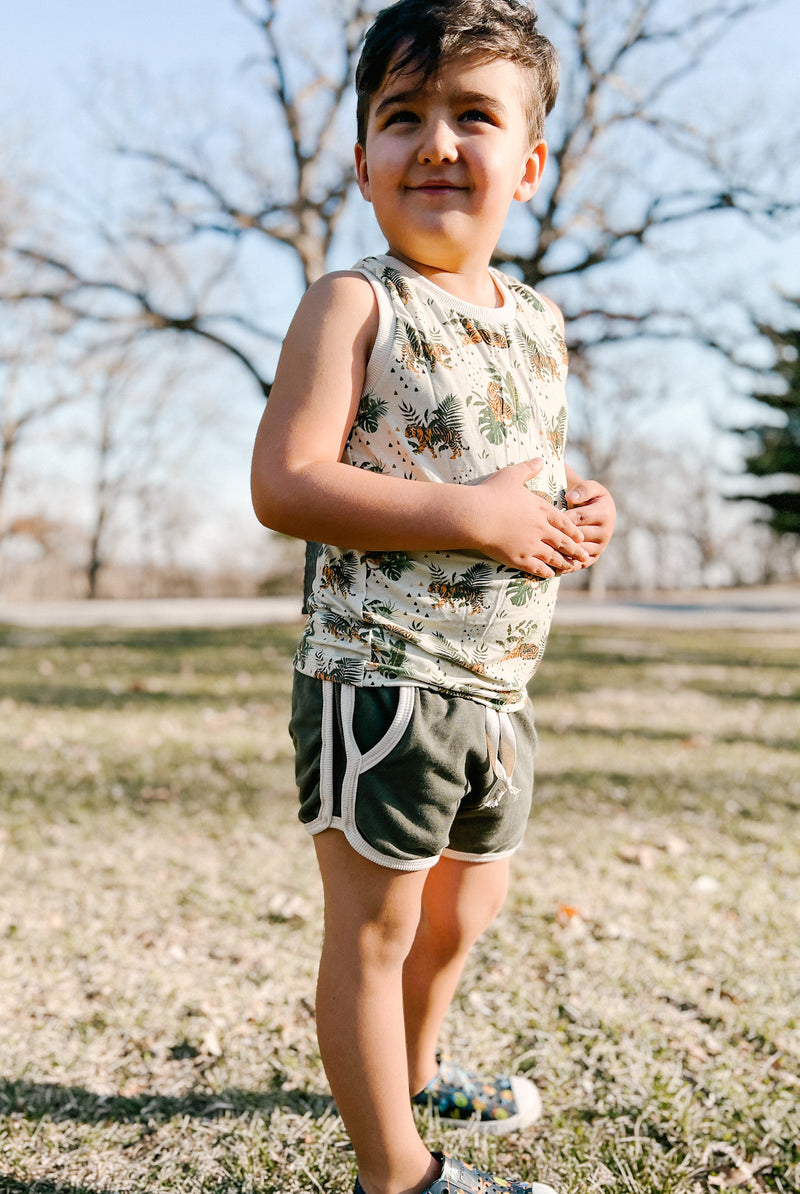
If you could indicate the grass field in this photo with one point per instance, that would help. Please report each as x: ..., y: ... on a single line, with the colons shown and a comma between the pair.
x: 160, y: 921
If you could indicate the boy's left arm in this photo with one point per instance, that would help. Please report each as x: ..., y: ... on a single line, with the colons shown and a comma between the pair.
x: 592, y: 508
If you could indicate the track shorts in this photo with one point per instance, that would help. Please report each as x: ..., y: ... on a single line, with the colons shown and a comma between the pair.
x: 409, y: 773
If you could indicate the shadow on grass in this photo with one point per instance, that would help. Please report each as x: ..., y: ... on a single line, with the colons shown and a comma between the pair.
x: 48, y: 1100
x: 155, y: 640
x: 686, y: 738
x: 661, y: 794
x: 15, y: 1185
x: 134, y: 696
x: 120, y: 666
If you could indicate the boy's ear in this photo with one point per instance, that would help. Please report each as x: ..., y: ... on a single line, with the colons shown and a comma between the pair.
x: 362, y: 174
x: 532, y: 172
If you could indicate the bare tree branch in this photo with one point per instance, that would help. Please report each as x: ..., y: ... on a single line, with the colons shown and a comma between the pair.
x: 288, y: 189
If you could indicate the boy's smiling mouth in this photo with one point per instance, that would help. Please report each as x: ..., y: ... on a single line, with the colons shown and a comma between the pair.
x: 436, y: 186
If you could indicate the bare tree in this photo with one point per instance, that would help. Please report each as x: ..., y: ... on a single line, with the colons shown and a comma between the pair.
x: 226, y: 187
x: 674, y: 528
x: 145, y: 421
x: 628, y: 174
x: 213, y: 193
x: 32, y: 391
x: 639, y: 163
x: 609, y: 411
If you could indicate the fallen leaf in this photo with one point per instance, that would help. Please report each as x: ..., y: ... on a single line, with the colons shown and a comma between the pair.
x: 639, y: 855
x: 285, y: 908
x: 675, y: 846
x: 573, y: 921
x: 740, y: 1174
x: 158, y: 794
x: 697, y: 742
x: 566, y: 912
x: 690, y: 1047
x: 211, y: 1044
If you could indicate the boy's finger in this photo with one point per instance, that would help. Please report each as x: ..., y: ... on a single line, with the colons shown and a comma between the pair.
x: 586, y: 493
x: 566, y: 524
x: 537, y: 567
x: 567, y: 548
x: 530, y: 467
x: 570, y: 552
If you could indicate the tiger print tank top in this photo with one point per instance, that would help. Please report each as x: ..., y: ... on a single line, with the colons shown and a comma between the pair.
x: 453, y: 392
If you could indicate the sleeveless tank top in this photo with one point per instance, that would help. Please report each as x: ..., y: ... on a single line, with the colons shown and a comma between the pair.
x: 453, y: 392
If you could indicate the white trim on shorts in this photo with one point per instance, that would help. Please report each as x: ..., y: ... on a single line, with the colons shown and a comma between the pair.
x: 356, y: 765
x: 501, y: 741
x: 460, y: 856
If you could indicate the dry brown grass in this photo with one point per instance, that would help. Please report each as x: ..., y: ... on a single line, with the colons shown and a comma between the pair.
x: 159, y: 920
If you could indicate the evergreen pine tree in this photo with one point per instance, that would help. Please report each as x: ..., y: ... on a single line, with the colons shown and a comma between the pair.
x: 775, y: 451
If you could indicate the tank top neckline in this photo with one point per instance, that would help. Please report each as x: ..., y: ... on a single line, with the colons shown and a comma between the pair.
x: 486, y: 315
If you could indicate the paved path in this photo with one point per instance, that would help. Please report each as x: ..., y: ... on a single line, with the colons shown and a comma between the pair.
x: 158, y: 611
x: 773, y: 608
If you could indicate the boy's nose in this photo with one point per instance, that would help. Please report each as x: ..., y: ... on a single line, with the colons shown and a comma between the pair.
x: 439, y: 143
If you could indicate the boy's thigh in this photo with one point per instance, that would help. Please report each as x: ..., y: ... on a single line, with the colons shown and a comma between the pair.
x: 409, y: 774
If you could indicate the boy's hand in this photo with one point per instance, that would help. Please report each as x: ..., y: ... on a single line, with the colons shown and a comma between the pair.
x: 523, y: 530
x: 592, y: 507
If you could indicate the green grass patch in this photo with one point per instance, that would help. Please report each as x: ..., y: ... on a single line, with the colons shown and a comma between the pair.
x: 160, y: 921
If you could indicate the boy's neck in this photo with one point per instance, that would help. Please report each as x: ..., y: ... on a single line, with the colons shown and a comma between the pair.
x: 473, y: 285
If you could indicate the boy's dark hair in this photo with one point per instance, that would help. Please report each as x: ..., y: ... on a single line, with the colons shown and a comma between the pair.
x: 422, y: 34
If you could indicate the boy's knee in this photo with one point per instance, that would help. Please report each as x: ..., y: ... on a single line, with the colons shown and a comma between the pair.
x: 386, y: 941
x: 458, y: 916
x: 456, y: 928
x: 369, y: 940
x: 371, y: 913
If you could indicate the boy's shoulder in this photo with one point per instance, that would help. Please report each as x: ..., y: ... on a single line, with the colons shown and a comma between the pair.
x: 350, y: 283
x: 342, y: 300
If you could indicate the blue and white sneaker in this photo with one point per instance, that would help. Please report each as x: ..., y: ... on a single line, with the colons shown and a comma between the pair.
x: 458, y: 1178
x: 494, y: 1106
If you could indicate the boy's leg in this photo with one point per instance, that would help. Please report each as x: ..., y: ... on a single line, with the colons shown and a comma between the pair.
x: 459, y: 901
x: 371, y: 917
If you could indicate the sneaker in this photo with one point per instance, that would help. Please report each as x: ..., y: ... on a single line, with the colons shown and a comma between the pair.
x: 494, y: 1106
x: 458, y: 1178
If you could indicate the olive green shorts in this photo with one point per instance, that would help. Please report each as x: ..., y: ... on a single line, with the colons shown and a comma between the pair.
x: 409, y: 774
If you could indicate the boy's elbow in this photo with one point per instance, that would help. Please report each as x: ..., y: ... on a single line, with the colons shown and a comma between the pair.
x: 262, y: 513
x: 266, y: 503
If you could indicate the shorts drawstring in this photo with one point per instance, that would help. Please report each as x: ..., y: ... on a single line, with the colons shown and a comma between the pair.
x: 501, y: 743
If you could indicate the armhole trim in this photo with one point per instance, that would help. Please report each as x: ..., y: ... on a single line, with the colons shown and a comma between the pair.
x: 384, y: 339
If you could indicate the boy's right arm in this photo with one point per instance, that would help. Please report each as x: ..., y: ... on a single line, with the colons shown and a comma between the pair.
x: 301, y: 487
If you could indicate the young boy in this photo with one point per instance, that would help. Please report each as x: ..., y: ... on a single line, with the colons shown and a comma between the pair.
x: 416, y: 428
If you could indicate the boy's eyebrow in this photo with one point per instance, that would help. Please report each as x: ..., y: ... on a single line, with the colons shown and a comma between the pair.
x: 476, y: 98
x: 481, y: 100
x: 396, y: 97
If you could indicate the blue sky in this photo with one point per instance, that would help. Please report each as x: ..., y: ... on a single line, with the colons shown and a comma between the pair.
x: 42, y: 32
x: 47, y: 41
x: 49, y: 49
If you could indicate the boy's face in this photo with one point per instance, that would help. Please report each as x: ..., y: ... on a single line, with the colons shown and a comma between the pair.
x: 443, y: 160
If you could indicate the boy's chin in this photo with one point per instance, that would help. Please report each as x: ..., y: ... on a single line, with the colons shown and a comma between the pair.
x: 436, y: 258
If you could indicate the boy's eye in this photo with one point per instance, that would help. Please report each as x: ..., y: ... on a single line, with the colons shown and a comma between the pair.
x: 400, y: 116
x: 477, y: 114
